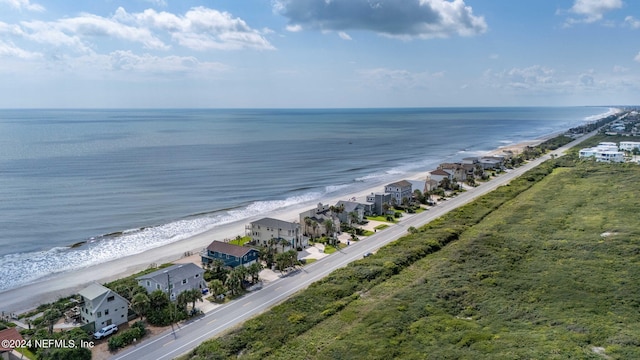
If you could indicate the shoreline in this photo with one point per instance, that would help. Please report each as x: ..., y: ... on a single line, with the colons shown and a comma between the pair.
x: 55, y: 286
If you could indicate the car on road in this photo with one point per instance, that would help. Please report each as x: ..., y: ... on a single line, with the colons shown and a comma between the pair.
x: 367, y: 254
x: 105, y: 331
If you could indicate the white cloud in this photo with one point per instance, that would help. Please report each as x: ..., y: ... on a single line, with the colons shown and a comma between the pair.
x: 633, y: 22
x: 592, y: 10
x: 344, y: 36
x: 146, y: 63
x: 620, y: 69
x: 201, y: 28
x: 160, y: 3
x: 405, y: 19
x: 8, y: 49
x: 23, y: 4
x: 637, y: 58
x: 529, y: 78
x: 294, y: 28
x: 75, y: 31
x: 398, y: 79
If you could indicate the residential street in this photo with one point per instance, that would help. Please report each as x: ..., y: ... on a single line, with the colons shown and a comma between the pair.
x: 170, y: 344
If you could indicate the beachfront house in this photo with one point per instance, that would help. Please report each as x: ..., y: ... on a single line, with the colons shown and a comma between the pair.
x: 438, y: 175
x: 314, y: 221
x: 102, y: 306
x: 399, y: 191
x: 377, y: 201
x: 174, y: 279
x: 288, y: 233
x: 231, y: 255
x: 352, y: 212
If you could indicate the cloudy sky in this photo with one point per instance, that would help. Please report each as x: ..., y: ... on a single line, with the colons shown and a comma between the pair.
x: 318, y: 53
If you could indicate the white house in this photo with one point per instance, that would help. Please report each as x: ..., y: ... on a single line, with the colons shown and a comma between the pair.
x: 439, y: 174
x: 604, y: 152
x: 267, y: 228
x: 174, y: 279
x: 610, y: 156
x: 102, y: 306
x: 629, y: 145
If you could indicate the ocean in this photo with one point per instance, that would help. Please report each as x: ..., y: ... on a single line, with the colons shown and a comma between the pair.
x: 118, y: 182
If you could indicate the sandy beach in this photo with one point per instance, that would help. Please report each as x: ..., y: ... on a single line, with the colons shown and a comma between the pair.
x: 65, y: 284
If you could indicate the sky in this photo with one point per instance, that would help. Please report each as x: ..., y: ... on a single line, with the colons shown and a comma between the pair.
x: 318, y: 53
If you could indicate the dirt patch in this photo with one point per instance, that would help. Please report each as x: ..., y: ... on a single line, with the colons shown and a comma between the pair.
x: 101, y: 349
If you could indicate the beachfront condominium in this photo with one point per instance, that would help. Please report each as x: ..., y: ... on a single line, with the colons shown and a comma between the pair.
x: 399, y: 191
x: 287, y: 234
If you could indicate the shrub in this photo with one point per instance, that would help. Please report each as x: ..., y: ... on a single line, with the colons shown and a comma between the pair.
x: 137, y: 331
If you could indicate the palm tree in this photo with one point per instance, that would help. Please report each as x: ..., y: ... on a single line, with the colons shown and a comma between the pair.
x: 50, y: 317
x: 353, y: 217
x: 308, y: 223
x: 234, y: 281
x: 315, y: 226
x: 329, y: 227
x: 140, y: 304
x: 192, y: 296
x: 216, y: 287
x: 254, y: 271
x: 284, y: 243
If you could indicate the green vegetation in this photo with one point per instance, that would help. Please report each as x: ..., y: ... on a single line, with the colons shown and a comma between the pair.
x: 135, y: 333
x: 381, y: 218
x: 545, y: 267
x: 381, y: 227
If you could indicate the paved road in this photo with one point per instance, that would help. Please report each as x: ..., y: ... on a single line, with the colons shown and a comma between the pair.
x: 171, y: 344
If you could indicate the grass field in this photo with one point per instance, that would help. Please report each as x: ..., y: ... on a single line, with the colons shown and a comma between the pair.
x: 545, y: 268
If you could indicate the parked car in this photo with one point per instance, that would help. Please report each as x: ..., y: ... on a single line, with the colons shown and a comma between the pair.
x: 105, y: 331
x: 367, y: 254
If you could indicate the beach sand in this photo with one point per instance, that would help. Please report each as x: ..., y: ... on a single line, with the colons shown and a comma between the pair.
x: 65, y: 284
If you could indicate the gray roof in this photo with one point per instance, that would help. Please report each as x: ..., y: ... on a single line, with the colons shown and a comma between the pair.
x: 93, y: 291
x: 275, y: 223
x: 228, y: 249
x: 401, y: 183
x: 178, y: 271
x: 349, y: 206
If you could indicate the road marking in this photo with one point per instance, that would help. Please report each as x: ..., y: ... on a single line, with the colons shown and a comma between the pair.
x: 168, y: 343
x: 247, y: 304
x: 212, y: 321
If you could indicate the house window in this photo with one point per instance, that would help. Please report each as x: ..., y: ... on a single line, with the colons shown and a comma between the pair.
x: 184, y: 281
x: 99, y: 314
x: 106, y: 312
x: 148, y: 283
x: 157, y: 286
x: 111, y: 298
x: 245, y: 258
x: 197, y: 276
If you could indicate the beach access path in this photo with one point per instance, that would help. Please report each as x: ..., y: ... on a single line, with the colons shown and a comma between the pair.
x: 178, y: 341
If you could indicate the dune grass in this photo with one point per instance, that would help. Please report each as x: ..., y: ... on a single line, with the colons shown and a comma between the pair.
x: 544, y: 268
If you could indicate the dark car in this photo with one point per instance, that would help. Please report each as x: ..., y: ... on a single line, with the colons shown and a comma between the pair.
x: 367, y: 254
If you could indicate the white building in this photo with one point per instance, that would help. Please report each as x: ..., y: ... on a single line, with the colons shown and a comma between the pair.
x: 610, y: 156
x: 102, y: 306
x: 265, y: 229
x: 604, y: 152
x: 629, y: 145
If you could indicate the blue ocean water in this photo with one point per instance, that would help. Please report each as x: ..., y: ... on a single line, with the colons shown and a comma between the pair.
x: 128, y: 180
